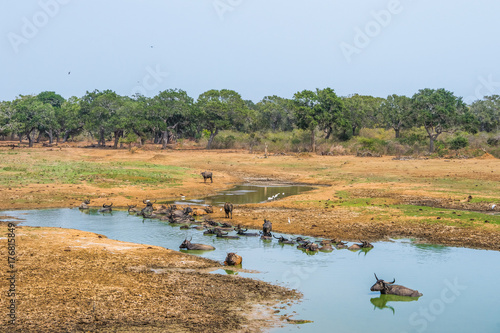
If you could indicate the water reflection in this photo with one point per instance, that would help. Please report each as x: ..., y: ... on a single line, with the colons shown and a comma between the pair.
x: 381, y: 301
x: 244, y: 194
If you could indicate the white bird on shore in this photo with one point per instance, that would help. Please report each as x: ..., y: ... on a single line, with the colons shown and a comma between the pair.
x: 493, y: 207
x: 288, y: 220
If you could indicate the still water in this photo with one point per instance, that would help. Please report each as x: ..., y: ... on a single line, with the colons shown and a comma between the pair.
x: 459, y: 286
x: 247, y: 193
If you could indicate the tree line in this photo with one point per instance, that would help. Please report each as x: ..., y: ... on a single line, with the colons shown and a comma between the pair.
x: 173, y: 114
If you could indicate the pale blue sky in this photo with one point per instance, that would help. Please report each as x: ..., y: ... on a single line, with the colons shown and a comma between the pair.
x: 256, y: 47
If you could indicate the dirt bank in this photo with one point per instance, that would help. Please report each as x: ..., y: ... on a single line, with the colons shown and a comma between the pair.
x: 75, y: 281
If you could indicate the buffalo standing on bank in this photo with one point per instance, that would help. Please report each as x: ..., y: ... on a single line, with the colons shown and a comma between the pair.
x: 206, y: 175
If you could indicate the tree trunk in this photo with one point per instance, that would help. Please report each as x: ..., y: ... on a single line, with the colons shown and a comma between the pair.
x: 50, y: 134
x: 328, y: 131
x: 102, y: 140
x: 313, y: 141
x: 354, y: 130
x: 397, y: 130
x: 164, y: 139
x: 117, y: 138
x: 211, y: 139
x: 431, y: 144
x: 66, y: 136
x: 30, y: 139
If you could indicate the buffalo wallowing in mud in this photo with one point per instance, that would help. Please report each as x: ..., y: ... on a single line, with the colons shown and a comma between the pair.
x: 105, y: 208
x: 85, y: 204
x: 392, y: 289
x: 193, y: 246
x: 232, y: 259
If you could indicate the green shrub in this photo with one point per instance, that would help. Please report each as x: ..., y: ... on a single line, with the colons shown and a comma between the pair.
x: 458, y: 142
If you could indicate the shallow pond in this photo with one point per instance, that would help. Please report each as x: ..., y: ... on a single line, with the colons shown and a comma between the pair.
x: 247, y: 193
x: 459, y: 286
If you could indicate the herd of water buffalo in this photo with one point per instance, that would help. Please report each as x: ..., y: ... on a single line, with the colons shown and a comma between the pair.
x: 186, y: 217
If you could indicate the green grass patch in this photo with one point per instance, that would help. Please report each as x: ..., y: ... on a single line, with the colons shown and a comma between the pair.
x: 451, y: 217
x: 100, y: 174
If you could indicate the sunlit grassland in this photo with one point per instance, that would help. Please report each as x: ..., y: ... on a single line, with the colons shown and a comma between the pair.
x: 19, y: 172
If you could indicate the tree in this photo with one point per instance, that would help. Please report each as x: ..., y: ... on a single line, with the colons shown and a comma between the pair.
x: 56, y: 100
x: 331, y: 110
x: 275, y: 113
x: 395, y: 112
x: 69, y: 118
x: 487, y: 112
x: 361, y: 111
x: 171, y: 109
x: 221, y: 110
x: 438, y: 111
x: 6, y: 114
x: 99, y: 110
x: 29, y: 115
x: 307, y: 114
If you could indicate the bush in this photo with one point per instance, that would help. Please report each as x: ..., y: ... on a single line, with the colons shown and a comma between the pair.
x: 371, y: 144
x: 413, y: 136
x: 458, y: 142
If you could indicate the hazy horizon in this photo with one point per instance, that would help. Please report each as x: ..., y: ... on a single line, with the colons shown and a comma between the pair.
x: 256, y: 48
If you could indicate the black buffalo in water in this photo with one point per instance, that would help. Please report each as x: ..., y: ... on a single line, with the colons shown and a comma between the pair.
x: 105, y: 208
x: 363, y: 245
x: 308, y: 246
x: 131, y: 209
x: 393, y: 289
x: 148, y: 210
x: 190, y: 246
x: 267, y: 227
x: 85, y: 204
x: 223, y: 234
x: 266, y: 230
x: 283, y: 240
x: 228, y: 209
x: 242, y: 232
x: 206, y: 175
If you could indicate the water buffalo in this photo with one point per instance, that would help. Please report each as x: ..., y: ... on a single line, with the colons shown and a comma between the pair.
x: 148, y: 210
x: 232, y: 259
x: 228, y: 209
x: 190, y: 246
x: 267, y: 227
x: 363, y: 245
x: 392, y: 289
x: 327, y: 247
x: 207, y: 174
x: 341, y: 245
x: 222, y: 234
x: 163, y: 210
x: 105, y: 208
x: 209, y: 209
x: 210, y: 231
x: 211, y: 222
x: 188, y: 210
x: 300, y: 240
x: 131, y: 209
x: 85, y: 204
x: 283, y: 240
x: 242, y: 232
x: 308, y: 246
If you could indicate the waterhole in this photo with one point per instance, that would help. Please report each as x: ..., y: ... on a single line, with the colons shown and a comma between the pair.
x: 459, y: 285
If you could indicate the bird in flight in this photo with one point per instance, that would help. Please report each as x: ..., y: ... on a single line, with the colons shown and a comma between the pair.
x: 69, y: 73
